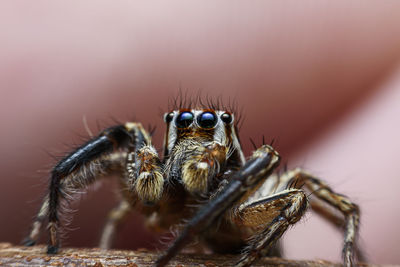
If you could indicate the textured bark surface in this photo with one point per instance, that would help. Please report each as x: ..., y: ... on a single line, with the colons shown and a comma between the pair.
x: 35, y: 256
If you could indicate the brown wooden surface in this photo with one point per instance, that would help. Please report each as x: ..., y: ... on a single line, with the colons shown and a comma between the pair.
x: 35, y: 256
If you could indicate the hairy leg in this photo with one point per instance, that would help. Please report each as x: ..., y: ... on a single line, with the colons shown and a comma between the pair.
x: 115, y: 217
x: 76, y: 171
x: 270, y: 216
x: 70, y: 185
x: 37, y: 223
x: 298, y: 178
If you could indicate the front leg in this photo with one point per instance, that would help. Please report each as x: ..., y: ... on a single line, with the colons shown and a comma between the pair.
x: 270, y: 217
x: 80, y: 168
x: 320, y: 192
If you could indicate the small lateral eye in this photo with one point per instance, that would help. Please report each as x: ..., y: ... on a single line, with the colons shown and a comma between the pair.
x: 168, y: 117
x: 226, y: 118
x: 184, y: 119
x: 207, y: 120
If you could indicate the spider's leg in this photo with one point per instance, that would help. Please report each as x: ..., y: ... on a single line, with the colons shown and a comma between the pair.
x: 271, y: 217
x: 110, y: 161
x: 97, y: 157
x: 143, y: 181
x: 37, y: 223
x: 339, y: 222
x: 115, y: 217
x: 298, y: 178
x: 262, y: 163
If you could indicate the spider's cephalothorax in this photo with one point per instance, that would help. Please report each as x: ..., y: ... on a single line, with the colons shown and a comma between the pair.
x: 231, y: 205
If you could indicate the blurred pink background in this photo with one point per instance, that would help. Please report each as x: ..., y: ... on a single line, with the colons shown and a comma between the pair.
x: 322, y: 78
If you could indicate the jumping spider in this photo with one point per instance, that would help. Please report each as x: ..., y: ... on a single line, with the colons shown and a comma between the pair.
x: 231, y: 205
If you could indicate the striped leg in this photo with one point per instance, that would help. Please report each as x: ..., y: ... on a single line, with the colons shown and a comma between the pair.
x: 271, y: 216
x: 37, y: 223
x: 298, y: 178
x: 115, y: 217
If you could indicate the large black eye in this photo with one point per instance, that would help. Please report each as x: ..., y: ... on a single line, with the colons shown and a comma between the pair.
x: 207, y: 120
x: 184, y: 119
x: 168, y: 117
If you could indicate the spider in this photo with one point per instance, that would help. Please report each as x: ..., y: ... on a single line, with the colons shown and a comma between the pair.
x: 203, y: 185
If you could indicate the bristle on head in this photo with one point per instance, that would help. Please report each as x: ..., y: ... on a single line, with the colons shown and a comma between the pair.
x: 185, y: 100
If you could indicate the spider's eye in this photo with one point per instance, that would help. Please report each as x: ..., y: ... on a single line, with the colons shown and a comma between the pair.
x: 226, y: 117
x: 207, y: 120
x: 184, y: 119
x: 168, y: 117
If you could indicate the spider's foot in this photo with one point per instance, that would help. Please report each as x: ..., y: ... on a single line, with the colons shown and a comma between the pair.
x: 52, y: 249
x: 161, y: 261
x: 28, y: 242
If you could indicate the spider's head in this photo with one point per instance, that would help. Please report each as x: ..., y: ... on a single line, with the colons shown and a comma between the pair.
x: 199, y: 144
